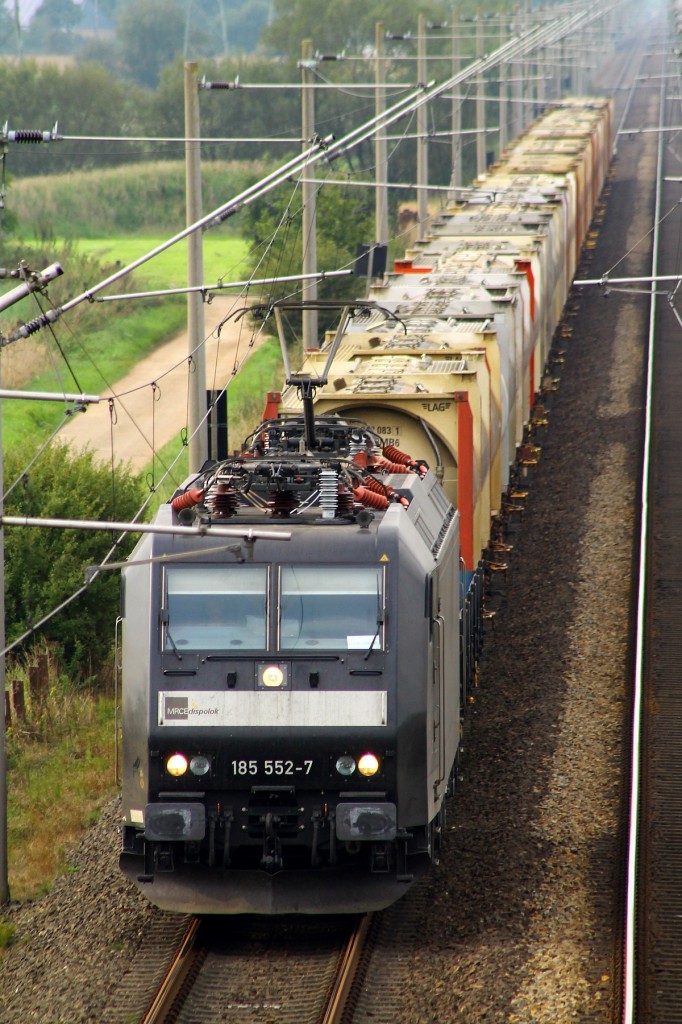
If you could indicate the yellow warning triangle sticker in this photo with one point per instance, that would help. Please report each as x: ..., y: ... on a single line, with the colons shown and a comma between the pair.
x: 384, y: 558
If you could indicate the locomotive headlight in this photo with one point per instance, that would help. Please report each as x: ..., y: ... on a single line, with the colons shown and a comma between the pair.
x: 176, y: 765
x: 345, y: 765
x: 368, y: 765
x: 199, y: 765
x: 272, y: 677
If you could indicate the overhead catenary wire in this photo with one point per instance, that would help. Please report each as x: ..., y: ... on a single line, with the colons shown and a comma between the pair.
x: 509, y: 50
x: 330, y: 148
x: 206, y: 289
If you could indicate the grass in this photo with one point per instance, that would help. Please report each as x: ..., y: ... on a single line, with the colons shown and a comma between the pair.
x: 262, y: 372
x: 60, y: 772
x: 223, y: 257
x: 124, y: 200
x: 98, y: 357
x: 104, y: 357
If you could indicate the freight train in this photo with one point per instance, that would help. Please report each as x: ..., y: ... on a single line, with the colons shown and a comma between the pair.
x: 293, y: 699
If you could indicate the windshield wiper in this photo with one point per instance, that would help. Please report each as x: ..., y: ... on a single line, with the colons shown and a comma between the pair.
x: 380, y: 622
x: 164, y: 622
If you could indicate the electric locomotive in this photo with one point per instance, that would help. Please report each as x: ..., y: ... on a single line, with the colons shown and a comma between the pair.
x: 292, y: 698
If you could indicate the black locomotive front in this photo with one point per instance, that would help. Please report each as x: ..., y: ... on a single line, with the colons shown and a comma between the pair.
x: 275, y: 747
x: 291, y: 699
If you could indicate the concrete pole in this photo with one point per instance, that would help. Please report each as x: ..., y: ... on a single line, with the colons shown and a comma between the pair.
x: 198, y: 432
x: 517, y: 90
x: 504, y: 105
x: 456, y: 179
x: 528, y: 85
x: 309, y: 196
x: 381, y: 149
x: 580, y: 47
x: 422, y: 143
x: 17, y: 25
x: 552, y: 70
x: 541, y: 65
x: 481, y: 160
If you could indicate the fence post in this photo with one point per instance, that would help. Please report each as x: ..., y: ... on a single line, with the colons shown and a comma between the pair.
x: 18, y: 701
x: 39, y: 680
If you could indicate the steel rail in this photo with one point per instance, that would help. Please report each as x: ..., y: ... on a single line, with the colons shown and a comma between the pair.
x: 346, y: 971
x: 163, y: 1003
x: 628, y: 103
x: 628, y: 1015
x: 174, y: 977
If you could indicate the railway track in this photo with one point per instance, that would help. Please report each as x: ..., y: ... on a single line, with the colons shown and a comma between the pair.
x: 231, y: 970
x: 474, y: 936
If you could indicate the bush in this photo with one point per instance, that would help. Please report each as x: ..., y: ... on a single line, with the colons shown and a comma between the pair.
x: 45, y: 566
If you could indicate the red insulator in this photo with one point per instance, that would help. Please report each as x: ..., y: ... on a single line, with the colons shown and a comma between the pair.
x: 224, y: 501
x: 361, y: 459
x: 378, y: 488
x: 395, y: 455
x: 384, y: 466
x: 369, y: 499
x: 345, y: 502
x: 191, y: 497
x: 282, y: 504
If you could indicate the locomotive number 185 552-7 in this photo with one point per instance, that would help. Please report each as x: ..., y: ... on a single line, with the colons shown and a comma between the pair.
x: 256, y: 767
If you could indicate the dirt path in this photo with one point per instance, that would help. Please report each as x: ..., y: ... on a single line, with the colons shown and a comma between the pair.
x: 147, y: 418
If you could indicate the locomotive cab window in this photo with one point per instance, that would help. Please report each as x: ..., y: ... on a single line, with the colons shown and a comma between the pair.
x: 331, y: 606
x: 211, y: 608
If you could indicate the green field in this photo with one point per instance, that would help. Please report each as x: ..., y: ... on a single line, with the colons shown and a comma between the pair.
x: 223, y: 258
x: 101, y: 353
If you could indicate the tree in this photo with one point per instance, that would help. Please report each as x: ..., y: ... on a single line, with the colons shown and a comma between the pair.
x: 150, y: 34
x: 9, y: 32
x: 345, y: 217
x: 343, y: 25
x: 84, y: 98
x: 45, y: 566
x: 51, y: 29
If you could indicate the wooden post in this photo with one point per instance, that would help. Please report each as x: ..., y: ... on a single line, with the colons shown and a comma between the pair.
x: 43, y: 676
x: 39, y: 681
x: 18, y: 701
